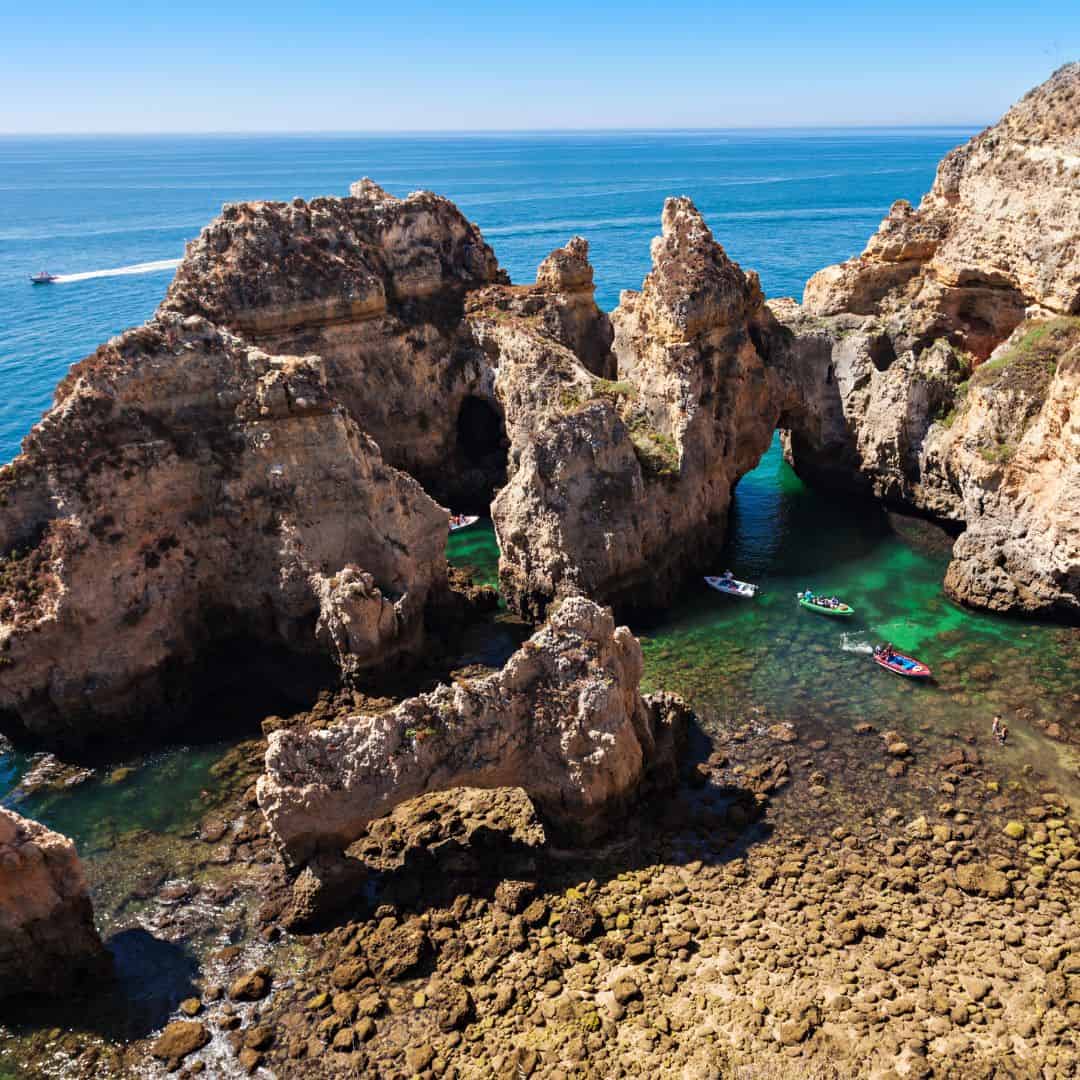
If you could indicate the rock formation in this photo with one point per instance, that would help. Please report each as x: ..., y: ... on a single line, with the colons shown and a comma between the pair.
x: 616, y: 485
x: 47, y: 936
x: 938, y: 369
x: 563, y: 720
x: 187, y: 488
x: 375, y: 286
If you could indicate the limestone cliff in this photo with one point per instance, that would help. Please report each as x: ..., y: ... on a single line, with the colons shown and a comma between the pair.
x: 375, y: 286
x: 937, y: 370
x: 563, y: 720
x: 187, y: 488
x: 47, y: 936
x: 616, y: 485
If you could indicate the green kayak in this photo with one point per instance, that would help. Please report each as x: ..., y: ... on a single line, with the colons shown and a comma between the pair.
x: 811, y: 604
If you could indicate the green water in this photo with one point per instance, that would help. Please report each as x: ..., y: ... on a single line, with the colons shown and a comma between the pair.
x: 764, y: 661
x: 163, y: 794
x: 474, y: 549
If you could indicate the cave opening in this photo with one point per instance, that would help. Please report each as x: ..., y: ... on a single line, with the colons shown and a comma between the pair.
x: 882, y: 353
x: 479, y: 430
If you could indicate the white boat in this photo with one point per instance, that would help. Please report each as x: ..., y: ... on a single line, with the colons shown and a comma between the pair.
x: 462, y: 521
x: 732, y: 586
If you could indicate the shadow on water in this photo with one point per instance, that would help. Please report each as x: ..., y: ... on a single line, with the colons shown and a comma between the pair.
x: 149, y: 980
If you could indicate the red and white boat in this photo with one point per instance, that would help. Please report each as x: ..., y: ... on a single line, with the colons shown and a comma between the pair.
x: 462, y: 521
x: 899, y: 664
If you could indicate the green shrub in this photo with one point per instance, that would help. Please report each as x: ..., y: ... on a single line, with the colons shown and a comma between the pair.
x: 657, y: 453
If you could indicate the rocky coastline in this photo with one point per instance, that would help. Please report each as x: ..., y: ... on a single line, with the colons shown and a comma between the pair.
x: 536, y: 868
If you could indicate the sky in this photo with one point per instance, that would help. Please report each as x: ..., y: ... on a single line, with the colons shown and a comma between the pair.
x: 123, y: 66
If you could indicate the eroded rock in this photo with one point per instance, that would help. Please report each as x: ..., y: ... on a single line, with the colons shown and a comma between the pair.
x: 564, y: 720
x: 48, y: 943
x: 184, y: 489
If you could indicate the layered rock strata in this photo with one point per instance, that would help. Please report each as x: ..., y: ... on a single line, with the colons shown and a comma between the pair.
x: 47, y: 936
x: 564, y: 720
x: 184, y: 489
x: 937, y: 370
x: 616, y: 485
x: 375, y: 286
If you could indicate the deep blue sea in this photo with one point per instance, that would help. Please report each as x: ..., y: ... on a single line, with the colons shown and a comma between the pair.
x: 783, y: 203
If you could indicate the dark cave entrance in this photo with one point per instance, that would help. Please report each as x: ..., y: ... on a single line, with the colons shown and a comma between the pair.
x: 479, y: 431
x: 481, y: 452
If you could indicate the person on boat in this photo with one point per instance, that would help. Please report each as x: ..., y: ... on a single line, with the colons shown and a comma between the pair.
x: 728, y: 575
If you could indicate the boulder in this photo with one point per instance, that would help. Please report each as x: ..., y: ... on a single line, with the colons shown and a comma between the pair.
x: 48, y: 943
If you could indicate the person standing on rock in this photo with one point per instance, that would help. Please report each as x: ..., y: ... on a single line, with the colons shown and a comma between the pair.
x: 995, y: 728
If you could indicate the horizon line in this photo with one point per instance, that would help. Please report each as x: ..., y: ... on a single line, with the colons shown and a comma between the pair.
x: 435, y: 132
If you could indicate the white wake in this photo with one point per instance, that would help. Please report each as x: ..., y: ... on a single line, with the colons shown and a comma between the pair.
x: 851, y: 643
x: 120, y: 271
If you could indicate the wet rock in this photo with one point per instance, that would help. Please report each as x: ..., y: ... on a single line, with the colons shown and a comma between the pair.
x: 251, y: 986
x: 178, y: 1040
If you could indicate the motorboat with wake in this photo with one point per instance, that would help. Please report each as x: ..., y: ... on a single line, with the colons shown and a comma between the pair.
x: 732, y: 586
x: 42, y: 277
x: 891, y: 660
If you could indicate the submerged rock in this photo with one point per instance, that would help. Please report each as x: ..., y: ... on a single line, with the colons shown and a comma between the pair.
x: 564, y: 720
x: 48, y: 943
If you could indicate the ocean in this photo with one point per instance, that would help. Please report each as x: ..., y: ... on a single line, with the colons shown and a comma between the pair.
x: 111, y: 215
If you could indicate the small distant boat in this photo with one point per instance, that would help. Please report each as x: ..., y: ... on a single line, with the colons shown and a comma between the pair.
x: 732, y: 586
x: 825, y: 605
x: 462, y: 521
x: 43, y: 277
x: 900, y: 664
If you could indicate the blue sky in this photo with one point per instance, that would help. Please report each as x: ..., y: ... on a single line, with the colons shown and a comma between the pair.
x: 118, y: 66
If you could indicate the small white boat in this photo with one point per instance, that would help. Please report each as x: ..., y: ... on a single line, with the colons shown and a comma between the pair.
x: 732, y: 586
x: 462, y: 521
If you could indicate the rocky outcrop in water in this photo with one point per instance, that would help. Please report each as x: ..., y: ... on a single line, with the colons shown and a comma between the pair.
x: 375, y: 286
x: 938, y: 369
x: 616, y: 485
x: 47, y: 936
x: 563, y: 719
x: 187, y: 489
